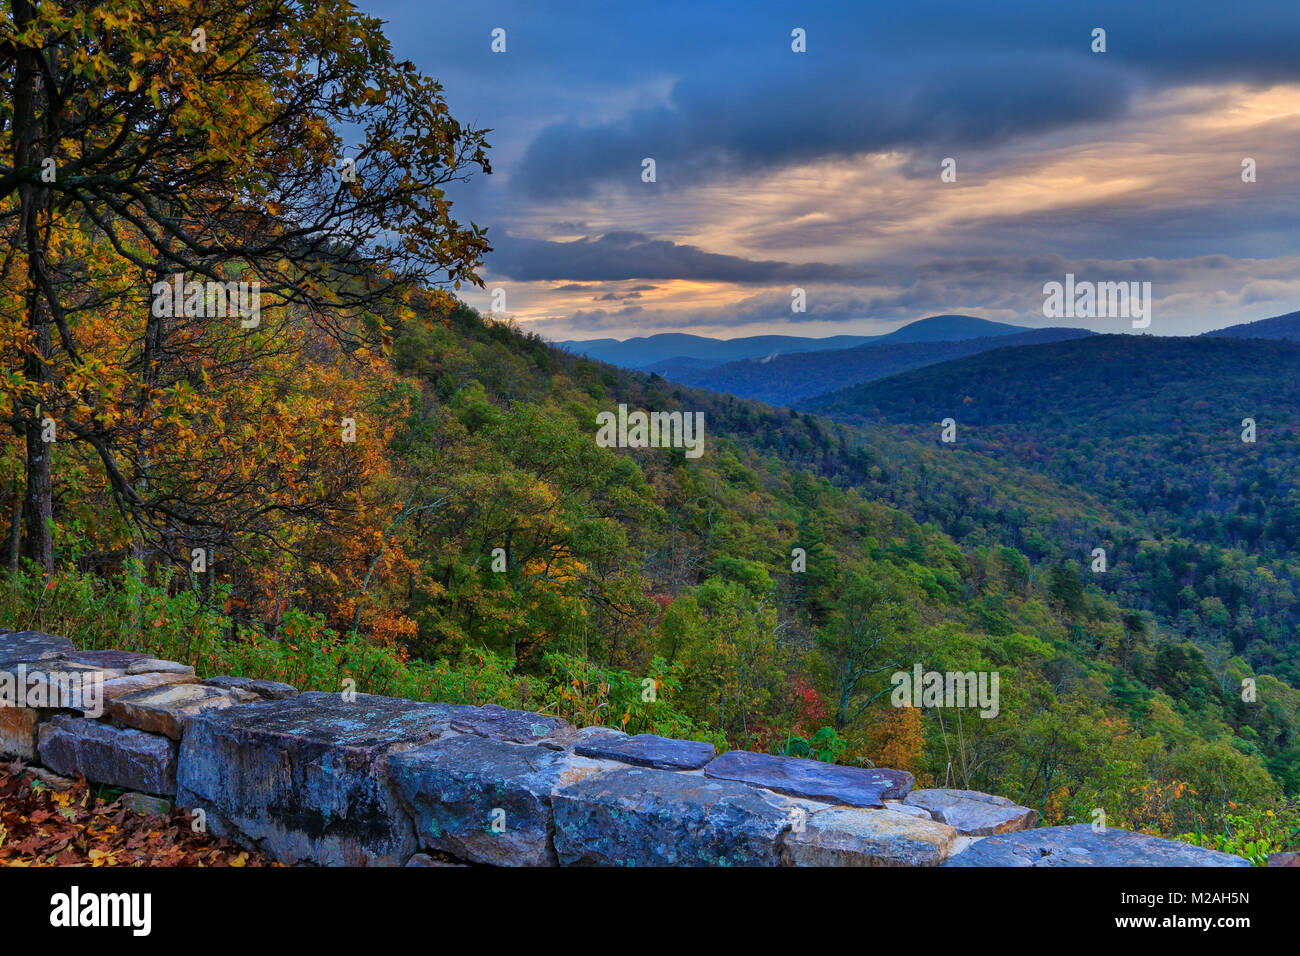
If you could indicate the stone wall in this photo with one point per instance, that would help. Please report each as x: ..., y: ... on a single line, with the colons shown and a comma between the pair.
x: 329, y: 779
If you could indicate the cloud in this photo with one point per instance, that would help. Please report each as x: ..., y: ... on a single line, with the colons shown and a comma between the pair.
x: 632, y: 255
x: 1190, y: 295
x: 820, y: 169
x: 783, y: 112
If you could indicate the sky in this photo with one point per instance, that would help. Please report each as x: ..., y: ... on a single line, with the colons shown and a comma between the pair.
x: 821, y: 170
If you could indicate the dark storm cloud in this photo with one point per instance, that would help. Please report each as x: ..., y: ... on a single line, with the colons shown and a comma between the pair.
x: 586, y: 90
x: 933, y: 76
x: 714, y: 94
x: 732, y: 124
x: 631, y: 255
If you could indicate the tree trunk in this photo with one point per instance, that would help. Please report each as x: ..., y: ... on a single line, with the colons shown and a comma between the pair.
x: 15, y: 527
x: 33, y: 199
x: 40, y: 496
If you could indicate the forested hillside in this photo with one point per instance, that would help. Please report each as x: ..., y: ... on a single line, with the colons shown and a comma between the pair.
x: 1278, y: 327
x: 788, y: 379
x: 253, y: 427
x: 483, y: 547
x: 647, y: 352
x: 1199, y: 526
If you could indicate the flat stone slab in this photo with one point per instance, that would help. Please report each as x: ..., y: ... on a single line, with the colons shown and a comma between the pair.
x: 129, y: 684
x: 855, y: 786
x: 844, y: 837
x: 156, y: 665
x: 973, y: 813
x: 1284, y: 859
x: 573, y: 736
x: 102, y: 753
x: 305, y: 779
x: 501, y: 723
x: 165, y: 710
x: 145, y: 805
x: 18, y: 646
x: 253, y: 689
x: 485, y: 800
x: 898, y: 806
x: 112, y: 660
x: 650, y: 750
x: 1079, y: 845
x: 121, y: 675
x: 129, y: 662
x: 55, y: 682
x: 646, y: 817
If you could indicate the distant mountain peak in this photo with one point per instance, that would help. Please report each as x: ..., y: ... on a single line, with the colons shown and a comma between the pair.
x: 792, y: 376
x: 1278, y: 327
x: 951, y: 328
x: 676, y: 350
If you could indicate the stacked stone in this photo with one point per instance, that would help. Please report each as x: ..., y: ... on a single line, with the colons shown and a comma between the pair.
x: 358, y: 779
x: 126, y: 734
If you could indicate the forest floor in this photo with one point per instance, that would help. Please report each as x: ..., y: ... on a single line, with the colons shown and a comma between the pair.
x: 46, y: 820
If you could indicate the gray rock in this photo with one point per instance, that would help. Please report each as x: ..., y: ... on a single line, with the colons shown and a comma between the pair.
x: 500, y: 723
x: 305, y: 779
x: 423, y: 859
x: 129, y: 684
x: 56, y: 682
x: 485, y: 800
x: 156, y: 665
x: 1079, y: 845
x: 1284, y: 859
x: 18, y: 646
x: 845, y: 837
x: 973, y: 813
x: 110, y: 659
x: 240, y: 696
x: 227, y: 682
x: 263, y: 689
x: 87, y: 680
x: 129, y: 662
x: 166, y: 709
x: 568, y: 739
x: 101, y: 753
x: 273, y: 689
x: 644, y: 817
x: 898, y: 806
x: 855, y: 786
x: 649, y: 750
x: 145, y: 805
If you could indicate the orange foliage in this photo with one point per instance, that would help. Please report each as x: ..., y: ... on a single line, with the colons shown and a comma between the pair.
x: 892, y: 738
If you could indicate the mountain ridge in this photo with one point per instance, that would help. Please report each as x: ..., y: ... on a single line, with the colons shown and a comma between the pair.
x: 1286, y: 327
x: 788, y: 379
x: 1189, y: 440
x: 678, y: 347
